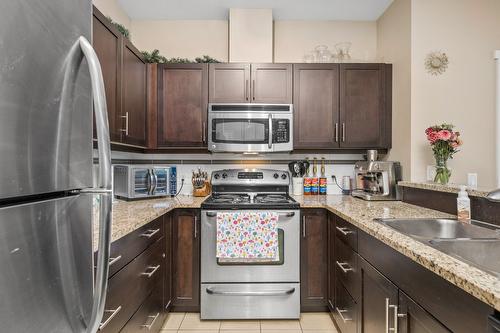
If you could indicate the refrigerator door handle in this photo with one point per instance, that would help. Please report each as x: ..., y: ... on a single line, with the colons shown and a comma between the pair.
x: 104, y: 184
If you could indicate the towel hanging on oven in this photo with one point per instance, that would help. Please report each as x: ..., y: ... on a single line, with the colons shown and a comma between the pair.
x: 247, y: 235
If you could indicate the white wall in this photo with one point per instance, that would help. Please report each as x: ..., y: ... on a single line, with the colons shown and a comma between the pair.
x: 186, y: 39
x: 114, y: 10
x: 468, y: 31
x: 294, y: 39
x: 394, y: 46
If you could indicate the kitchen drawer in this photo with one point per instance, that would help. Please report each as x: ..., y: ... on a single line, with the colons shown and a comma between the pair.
x: 150, y: 315
x: 131, y: 245
x: 346, y: 310
x: 346, y: 268
x: 128, y: 288
x: 347, y: 232
x: 250, y: 301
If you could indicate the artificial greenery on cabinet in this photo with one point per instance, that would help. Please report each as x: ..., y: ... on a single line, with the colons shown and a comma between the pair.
x: 156, y: 58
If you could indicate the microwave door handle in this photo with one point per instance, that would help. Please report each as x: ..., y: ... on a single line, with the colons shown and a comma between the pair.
x: 155, y: 178
x: 270, y: 139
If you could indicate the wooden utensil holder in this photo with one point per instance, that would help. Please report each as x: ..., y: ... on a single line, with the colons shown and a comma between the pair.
x: 203, y: 191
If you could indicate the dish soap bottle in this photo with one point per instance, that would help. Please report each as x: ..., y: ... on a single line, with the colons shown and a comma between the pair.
x: 463, y: 205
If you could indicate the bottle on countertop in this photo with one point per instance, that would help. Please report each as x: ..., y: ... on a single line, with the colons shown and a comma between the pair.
x: 314, y: 179
x: 323, y: 181
x: 307, y: 182
x: 463, y: 205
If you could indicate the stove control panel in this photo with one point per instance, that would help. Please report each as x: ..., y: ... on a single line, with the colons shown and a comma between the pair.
x: 250, y: 176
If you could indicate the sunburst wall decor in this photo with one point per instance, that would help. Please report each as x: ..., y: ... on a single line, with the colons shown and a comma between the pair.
x: 436, y: 63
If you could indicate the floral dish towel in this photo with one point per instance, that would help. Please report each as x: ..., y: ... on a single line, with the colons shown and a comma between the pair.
x: 247, y: 235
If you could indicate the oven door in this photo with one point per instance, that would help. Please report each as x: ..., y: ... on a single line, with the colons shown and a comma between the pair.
x: 286, y: 269
x: 141, y: 182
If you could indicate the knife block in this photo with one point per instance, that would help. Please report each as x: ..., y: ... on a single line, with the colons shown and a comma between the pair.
x: 203, y: 191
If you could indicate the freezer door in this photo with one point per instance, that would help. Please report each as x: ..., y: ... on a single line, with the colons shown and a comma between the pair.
x: 46, y: 276
x: 45, y: 130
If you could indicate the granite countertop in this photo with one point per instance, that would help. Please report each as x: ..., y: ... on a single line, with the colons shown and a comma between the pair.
x: 128, y: 216
x: 131, y: 215
x: 476, y: 282
x: 448, y: 188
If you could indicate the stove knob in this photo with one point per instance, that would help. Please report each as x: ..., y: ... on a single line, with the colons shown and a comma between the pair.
x: 276, y: 176
x: 224, y: 175
x: 216, y: 176
x: 283, y: 176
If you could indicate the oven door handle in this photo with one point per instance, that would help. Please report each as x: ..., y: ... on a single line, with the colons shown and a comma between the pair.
x: 270, y: 138
x: 287, y: 214
x: 278, y: 292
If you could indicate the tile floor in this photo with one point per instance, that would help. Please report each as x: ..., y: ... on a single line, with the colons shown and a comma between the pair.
x: 190, y: 323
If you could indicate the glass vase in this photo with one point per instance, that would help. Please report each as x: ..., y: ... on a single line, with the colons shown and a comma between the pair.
x: 443, y: 174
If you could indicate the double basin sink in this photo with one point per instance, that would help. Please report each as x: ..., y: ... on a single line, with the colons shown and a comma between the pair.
x: 477, y: 243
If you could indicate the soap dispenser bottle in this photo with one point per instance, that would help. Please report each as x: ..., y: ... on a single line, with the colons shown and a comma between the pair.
x: 463, y: 205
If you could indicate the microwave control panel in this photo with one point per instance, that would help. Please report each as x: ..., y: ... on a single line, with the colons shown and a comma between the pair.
x: 281, y: 130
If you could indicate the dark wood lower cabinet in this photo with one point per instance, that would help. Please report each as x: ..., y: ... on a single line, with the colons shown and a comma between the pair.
x: 379, y: 297
x: 186, y: 260
x: 149, y: 317
x: 331, y: 261
x: 167, y: 289
x: 412, y: 318
x: 314, y: 261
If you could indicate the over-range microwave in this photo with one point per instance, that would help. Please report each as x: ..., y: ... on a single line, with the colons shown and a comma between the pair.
x: 144, y: 181
x: 250, y: 128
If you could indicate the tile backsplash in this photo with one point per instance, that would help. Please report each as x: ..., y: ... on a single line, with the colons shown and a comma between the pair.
x: 336, y: 164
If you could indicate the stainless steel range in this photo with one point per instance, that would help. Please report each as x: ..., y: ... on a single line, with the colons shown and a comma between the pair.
x: 251, y: 289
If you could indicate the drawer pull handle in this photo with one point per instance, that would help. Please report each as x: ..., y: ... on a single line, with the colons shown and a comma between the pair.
x: 345, y: 231
x: 279, y: 292
x: 344, y: 267
x: 114, y: 260
x: 111, y: 316
x: 148, y: 327
x: 341, y: 314
x: 150, y: 233
x: 153, y: 270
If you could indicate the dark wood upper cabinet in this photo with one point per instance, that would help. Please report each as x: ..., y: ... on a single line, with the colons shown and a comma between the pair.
x: 107, y: 44
x: 378, y: 293
x: 186, y: 260
x: 314, y: 260
x: 271, y: 83
x: 316, y: 106
x: 125, y: 81
x: 414, y: 319
x: 365, y: 105
x: 229, y: 83
x: 134, y: 95
x: 183, y: 103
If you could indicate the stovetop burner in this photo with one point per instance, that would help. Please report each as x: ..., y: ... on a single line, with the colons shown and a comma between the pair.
x: 247, y: 201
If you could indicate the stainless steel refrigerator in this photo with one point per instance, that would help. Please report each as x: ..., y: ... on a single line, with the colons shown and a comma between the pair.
x: 50, y: 87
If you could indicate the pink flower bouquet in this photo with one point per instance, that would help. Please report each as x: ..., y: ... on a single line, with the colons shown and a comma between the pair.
x: 444, y: 142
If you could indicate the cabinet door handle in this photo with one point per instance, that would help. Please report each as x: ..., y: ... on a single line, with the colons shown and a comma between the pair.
x: 343, y: 132
x: 126, y: 123
x: 246, y: 89
x: 344, y: 267
x: 204, y: 132
x: 153, y: 270
x: 148, y: 326
x: 113, y: 260
x: 341, y: 314
x: 336, y: 132
x: 396, y: 315
x: 303, y: 226
x: 344, y: 231
x: 111, y: 316
x: 253, y: 89
x: 150, y: 233
x: 196, y: 227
